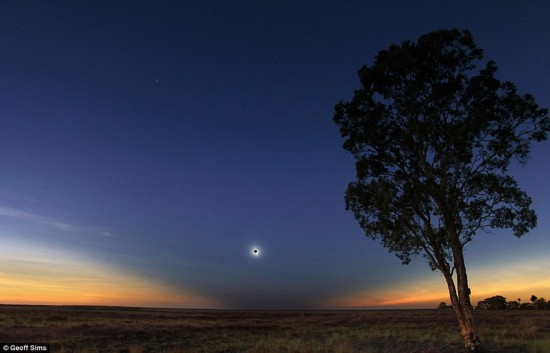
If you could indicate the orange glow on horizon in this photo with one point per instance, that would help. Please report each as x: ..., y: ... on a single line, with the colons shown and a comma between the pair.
x: 404, y: 297
x: 89, y: 291
x: 519, y: 279
x: 31, y: 274
x: 46, y: 276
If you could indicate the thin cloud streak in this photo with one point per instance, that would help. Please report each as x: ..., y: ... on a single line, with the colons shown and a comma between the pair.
x: 25, y: 216
x: 56, y: 224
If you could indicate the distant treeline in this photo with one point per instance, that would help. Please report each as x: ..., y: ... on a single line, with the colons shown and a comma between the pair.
x: 498, y: 302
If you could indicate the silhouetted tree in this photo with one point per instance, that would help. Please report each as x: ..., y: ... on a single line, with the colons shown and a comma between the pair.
x: 443, y: 306
x: 513, y: 305
x: 482, y: 305
x: 496, y: 302
x: 526, y: 306
x: 433, y: 138
x: 541, y: 304
x: 533, y: 299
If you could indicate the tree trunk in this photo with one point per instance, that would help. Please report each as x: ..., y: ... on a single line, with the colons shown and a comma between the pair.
x: 460, y: 301
x: 468, y: 329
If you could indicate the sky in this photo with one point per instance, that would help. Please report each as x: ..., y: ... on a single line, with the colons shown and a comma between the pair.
x: 146, y: 147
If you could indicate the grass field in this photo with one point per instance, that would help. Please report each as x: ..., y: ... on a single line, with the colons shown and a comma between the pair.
x: 137, y: 330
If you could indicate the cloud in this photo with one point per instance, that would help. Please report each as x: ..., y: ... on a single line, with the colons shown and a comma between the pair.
x: 52, y: 223
x: 25, y: 216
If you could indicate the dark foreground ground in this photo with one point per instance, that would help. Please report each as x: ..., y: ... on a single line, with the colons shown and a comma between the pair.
x: 137, y: 330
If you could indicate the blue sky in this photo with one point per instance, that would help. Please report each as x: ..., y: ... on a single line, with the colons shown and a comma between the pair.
x: 148, y: 146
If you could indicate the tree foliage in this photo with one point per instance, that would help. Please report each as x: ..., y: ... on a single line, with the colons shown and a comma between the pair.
x: 433, y: 139
x: 499, y: 302
x: 496, y: 302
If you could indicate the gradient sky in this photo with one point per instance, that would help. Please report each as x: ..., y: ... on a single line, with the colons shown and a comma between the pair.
x: 146, y: 147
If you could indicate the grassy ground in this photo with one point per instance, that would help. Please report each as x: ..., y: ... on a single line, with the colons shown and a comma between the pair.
x: 139, y: 330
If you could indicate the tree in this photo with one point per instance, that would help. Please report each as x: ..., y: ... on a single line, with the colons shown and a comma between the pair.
x: 526, y: 306
x: 443, y: 306
x: 541, y: 304
x: 432, y: 139
x: 496, y: 302
x: 483, y: 305
x: 513, y: 305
